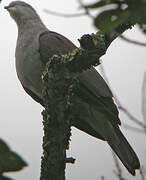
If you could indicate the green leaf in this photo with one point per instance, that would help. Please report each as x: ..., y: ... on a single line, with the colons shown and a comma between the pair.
x: 110, y: 19
x: 9, y: 160
x: 95, y: 5
x: 5, y: 178
x: 99, y: 4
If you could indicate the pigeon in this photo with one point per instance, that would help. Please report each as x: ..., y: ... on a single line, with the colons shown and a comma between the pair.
x: 98, y: 115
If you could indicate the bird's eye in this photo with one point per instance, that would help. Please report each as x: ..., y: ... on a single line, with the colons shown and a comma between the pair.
x: 25, y: 5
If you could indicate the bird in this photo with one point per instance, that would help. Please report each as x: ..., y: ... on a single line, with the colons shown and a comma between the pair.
x: 99, y: 115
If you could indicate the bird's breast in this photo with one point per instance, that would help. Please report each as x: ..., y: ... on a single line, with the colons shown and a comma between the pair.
x: 28, y: 64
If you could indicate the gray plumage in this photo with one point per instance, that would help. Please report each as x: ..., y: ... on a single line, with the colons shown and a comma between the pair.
x: 98, y: 113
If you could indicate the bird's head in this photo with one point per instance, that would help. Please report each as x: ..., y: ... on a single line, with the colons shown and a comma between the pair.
x: 21, y: 11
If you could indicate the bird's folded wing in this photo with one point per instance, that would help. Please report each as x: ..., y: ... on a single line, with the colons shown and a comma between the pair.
x: 92, y: 86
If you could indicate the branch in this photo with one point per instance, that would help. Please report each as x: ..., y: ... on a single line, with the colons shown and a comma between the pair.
x: 102, y: 178
x: 60, y: 79
x: 132, y: 41
x: 121, y: 107
x: 126, y: 126
x: 114, y: 33
x: 119, y: 170
x: 144, y: 98
x: 141, y: 174
x: 63, y: 15
x: 86, y: 10
x: 56, y: 120
x: 70, y: 15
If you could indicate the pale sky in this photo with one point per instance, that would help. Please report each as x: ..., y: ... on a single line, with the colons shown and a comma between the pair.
x: 21, y: 121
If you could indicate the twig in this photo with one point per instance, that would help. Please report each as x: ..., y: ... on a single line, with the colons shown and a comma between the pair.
x: 119, y: 170
x: 144, y: 98
x: 64, y: 15
x: 86, y: 10
x: 141, y: 174
x: 132, y: 41
x: 102, y: 178
x: 70, y: 160
x: 133, y: 118
x: 133, y: 128
x: 120, y: 106
x: 70, y: 15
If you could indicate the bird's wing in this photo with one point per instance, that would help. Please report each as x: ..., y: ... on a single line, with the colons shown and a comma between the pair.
x: 51, y: 43
x: 91, y: 84
x: 92, y: 80
x: 33, y: 95
x: 92, y: 87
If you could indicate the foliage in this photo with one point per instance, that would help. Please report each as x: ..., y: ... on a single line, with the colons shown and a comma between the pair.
x: 113, y: 13
x: 9, y: 160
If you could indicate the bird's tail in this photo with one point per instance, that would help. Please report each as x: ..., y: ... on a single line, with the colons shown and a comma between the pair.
x: 124, y: 151
x: 104, y: 125
x: 114, y: 137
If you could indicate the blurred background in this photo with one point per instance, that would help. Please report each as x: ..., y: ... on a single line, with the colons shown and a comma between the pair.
x: 20, y: 116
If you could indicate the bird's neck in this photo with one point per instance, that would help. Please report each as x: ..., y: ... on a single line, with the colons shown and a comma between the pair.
x: 30, y: 26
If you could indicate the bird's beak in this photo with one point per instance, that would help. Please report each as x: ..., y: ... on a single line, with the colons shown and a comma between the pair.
x: 7, y: 7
